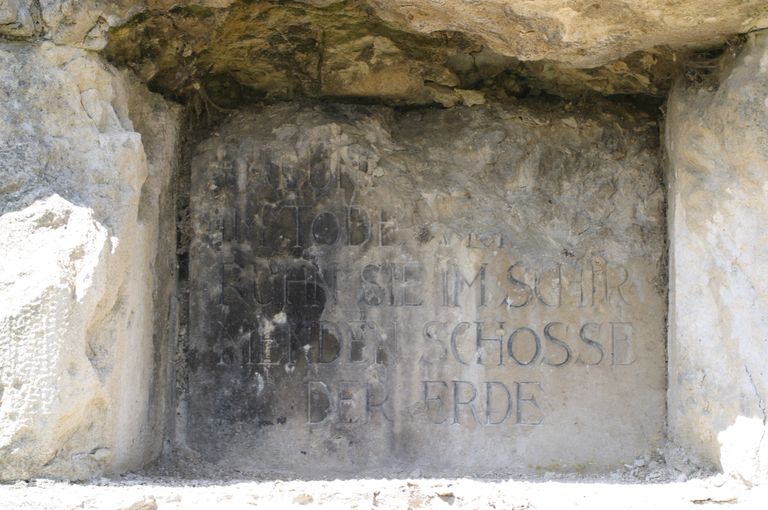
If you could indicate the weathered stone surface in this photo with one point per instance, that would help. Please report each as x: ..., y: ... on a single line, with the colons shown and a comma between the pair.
x: 390, y: 50
x: 340, y: 49
x: 717, y: 139
x: 582, y: 33
x: 468, y: 290
x: 269, y: 50
x: 86, y: 264
x: 17, y: 18
x: 78, y: 23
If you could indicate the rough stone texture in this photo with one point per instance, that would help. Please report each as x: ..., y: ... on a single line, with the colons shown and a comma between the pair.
x: 717, y: 139
x: 417, y: 51
x: 269, y: 50
x: 81, y: 23
x: 86, y: 264
x: 583, y: 33
x: 16, y: 18
x: 470, y: 290
x: 87, y: 234
x: 341, y: 49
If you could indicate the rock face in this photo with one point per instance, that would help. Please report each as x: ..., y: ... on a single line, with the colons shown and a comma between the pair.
x: 583, y: 33
x: 717, y: 139
x: 16, y: 18
x: 66, y: 22
x: 474, y: 287
x: 466, y: 290
x: 417, y: 51
x: 87, y: 265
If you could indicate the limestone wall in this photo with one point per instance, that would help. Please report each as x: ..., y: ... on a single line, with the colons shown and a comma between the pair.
x: 466, y: 290
x: 86, y: 159
x: 497, y: 192
x: 717, y: 141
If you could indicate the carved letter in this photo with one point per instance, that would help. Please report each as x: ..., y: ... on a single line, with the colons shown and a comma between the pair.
x: 318, y: 402
x: 457, y: 402
x: 358, y: 226
x: 328, y: 342
x: 435, y: 350
x: 459, y: 281
x: 459, y: 329
x: 488, y: 412
x: 530, y: 399
x: 480, y: 340
x: 559, y: 288
x: 297, y: 221
x: 624, y: 280
x: 271, y: 169
x: 371, y: 406
x: 262, y: 284
x: 560, y: 343
x: 372, y: 294
x: 387, y: 229
x: 438, y: 399
x: 625, y: 330
x: 351, y: 402
x: 301, y: 289
x: 587, y: 296
x: 592, y: 343
x: 320, y: 173
x: 325, y: 228
x: 511, y: 346
x: 369, y: 344
x: 412, y: 284
x: 520, y: 286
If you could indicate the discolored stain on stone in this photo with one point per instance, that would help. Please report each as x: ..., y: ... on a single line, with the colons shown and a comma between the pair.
x: 468, y: 289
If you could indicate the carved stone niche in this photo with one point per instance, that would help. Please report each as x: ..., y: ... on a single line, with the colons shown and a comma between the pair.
x: 470, y: 290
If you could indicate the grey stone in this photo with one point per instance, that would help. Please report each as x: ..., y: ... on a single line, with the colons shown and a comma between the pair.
x: 461, y: 290
x: 87, y: 265
x: 422, y: 52
x: 16, y: 18
x: 717, y: 140
x: 581, y: 33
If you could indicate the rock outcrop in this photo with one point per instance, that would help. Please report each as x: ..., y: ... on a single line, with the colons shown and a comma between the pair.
x: 717, y: 140
x: 419, y: 52
x: 89, y: 177
x: 583, y: 33
x: 86, y: 264
x: 416, y: 52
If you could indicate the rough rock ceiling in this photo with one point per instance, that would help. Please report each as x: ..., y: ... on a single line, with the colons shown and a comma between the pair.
x: 284, y: 50
x: 584, y: 33
x: 406, y: 51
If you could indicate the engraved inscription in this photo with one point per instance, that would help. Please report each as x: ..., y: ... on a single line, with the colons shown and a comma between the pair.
x: 363, y: 294
x: 255, y: 286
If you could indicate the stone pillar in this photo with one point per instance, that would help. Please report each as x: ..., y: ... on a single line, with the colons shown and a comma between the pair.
x: 86, y: 265
x: 717, y: 142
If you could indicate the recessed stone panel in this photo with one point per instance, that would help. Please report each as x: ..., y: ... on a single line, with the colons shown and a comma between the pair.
x: 469, y: 290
